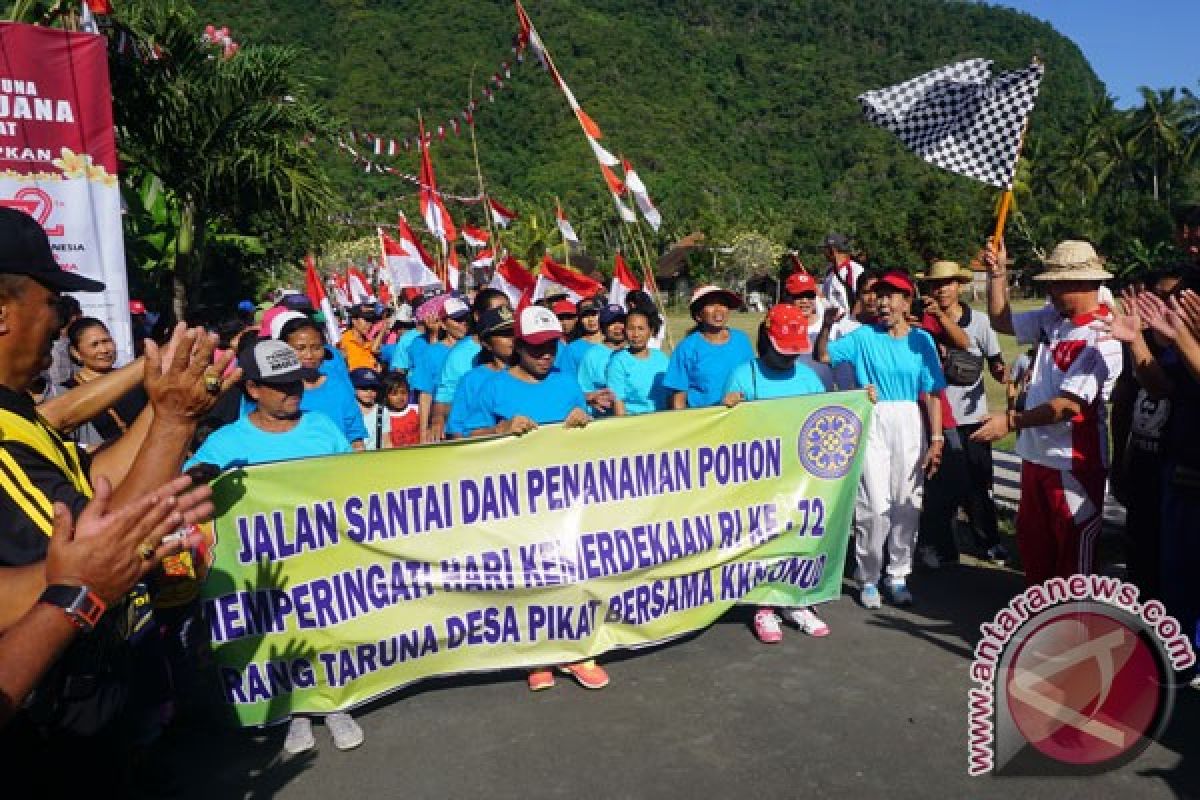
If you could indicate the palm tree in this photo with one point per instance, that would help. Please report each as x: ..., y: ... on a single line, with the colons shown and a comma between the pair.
x: 1155, y: 132
x: 228, y: 137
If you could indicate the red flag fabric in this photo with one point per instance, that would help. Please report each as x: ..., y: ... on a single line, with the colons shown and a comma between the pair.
x: 319, y: 299
x: 614, y: 183
x: 437, y: 219
x: 360, y: 288
x: 407, y: 262
x: 578, y: 285
x: 589, y: 126
x: 623, y: 282
x: 474, y: 236
x: 484, y: 258
x: 453, y: 271
x: 564, y: 225
x: 514, y: 280
x: 501, y: 215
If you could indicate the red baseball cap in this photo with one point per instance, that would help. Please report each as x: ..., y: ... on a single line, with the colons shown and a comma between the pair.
x: 799, y: 283
x: 897, y: 280
x: 563, y: 308
x: 137, y: 307
x: 787, y: 328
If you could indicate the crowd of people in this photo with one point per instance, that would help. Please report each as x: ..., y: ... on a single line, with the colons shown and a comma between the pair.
x: 98, y: 517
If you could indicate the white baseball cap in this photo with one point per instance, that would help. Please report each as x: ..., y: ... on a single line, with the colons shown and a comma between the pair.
x: 538, y: 325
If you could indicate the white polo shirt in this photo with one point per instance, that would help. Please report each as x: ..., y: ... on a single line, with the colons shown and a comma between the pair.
x: 1076, y: 356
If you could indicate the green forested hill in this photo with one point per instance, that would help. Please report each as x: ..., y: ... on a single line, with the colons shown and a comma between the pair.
x: 739, y: 114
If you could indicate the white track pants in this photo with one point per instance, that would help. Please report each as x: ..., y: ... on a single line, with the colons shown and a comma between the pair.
x: 888, y: 508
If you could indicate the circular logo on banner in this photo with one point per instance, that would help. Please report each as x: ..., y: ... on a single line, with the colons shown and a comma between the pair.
x: 828, y: 440
x: 1084, y: 688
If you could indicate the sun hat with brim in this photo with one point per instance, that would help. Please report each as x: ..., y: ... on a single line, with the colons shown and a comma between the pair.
x: 538, y: 325
x: 713, y: 294
x: 946, y: 270
x: 272, y: 362
x: 896, y: 280
x: 25, y: 250
x: 1073, y: 261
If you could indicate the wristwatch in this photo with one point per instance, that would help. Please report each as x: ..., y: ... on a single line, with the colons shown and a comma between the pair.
x: 79, y: 603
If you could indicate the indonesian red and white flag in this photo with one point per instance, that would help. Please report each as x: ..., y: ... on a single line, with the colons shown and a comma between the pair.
x: 360, y: 288
x: 341, y: 289
x: 603, y: 156
x: 625, y: 211
x: 407, y: 262
x: 484, y: 258
x: 564, y: 225
x: 320, y: 300
x: 474, y: 237
x: 623, y: 282
x: 514, y: 280
x: 437, y: 219
x: 642, y: 197
x: 577, y: 284
x: 500, y: 215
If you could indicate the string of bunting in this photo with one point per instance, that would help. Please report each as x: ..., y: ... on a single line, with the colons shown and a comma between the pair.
x: 384, y: 145
x: 383, y: 169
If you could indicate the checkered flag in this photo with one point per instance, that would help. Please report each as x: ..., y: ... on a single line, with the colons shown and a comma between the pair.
x: 959, y: 118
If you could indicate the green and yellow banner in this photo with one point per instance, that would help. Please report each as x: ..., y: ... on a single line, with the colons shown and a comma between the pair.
x: 337, y: 580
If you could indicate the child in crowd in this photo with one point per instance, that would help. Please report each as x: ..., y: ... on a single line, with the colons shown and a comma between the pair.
x: 367, y: 384
x: 404, y: 428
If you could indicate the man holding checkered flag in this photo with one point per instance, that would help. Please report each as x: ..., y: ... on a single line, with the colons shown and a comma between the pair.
x: 960, y: 118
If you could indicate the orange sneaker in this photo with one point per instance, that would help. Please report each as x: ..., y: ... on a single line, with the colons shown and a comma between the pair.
x: 540, y: 679
x: 589, y: 674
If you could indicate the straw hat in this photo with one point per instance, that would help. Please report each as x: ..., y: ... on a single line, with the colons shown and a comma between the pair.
x: 941, y: 270
x: 1073, y: 261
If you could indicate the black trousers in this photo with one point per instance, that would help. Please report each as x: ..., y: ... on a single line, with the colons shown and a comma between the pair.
x: 963, y: 480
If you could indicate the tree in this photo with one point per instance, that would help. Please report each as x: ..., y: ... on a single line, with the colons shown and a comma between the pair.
x: 1156, y: 134
x: 228, y: 137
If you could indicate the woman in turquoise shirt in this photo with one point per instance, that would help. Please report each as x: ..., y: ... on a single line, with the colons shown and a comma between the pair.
x: 635, y: 374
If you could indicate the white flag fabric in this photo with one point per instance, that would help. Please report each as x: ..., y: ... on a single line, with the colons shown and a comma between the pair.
x: 642, y: 197
x: 960, y: 118
x: 625, y: 211
x: 407, y: 261
x: 603, y: 156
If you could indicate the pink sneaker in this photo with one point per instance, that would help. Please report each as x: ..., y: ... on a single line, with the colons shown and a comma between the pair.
x: 766, y: 626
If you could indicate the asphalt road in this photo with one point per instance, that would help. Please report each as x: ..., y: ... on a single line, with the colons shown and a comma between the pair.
x: 878, y: 709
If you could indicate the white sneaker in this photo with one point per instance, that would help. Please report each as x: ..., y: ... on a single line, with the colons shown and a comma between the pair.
x: 299, y: 736
x: 346, y: 733
x: 807, y: 621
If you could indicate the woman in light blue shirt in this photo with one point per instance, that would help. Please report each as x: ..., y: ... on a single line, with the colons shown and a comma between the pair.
x: 700, y: 365
x: 635, y: 374
x: 902, y: 363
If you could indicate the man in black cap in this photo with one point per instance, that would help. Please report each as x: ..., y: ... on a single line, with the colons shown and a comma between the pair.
x: 39, y: 469
x: 843, y: 273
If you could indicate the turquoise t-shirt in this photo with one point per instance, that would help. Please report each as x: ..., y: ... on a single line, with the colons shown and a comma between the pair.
x: 899, y: 369
x: 334, y: 398
x: 549, y: 400
x: 242, y: 443
x: 702, y: 369
x: 466, y: 416
x: 427, y: 367
x: 463, y: 357
x: 638, y: 382
x: 593, y: 369
x: 756, y: 381
x: 402, y: 351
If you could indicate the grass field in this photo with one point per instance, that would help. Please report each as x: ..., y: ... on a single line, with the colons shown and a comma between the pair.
x: 748, y: 323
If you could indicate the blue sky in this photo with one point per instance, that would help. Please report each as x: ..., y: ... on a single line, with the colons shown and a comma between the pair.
x: 1130, y: 43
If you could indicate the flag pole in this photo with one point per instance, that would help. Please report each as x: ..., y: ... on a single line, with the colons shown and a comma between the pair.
x: 423, y: 150
x: 1007, y: 198
x: 562, y: 234
x: 493, y: 241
